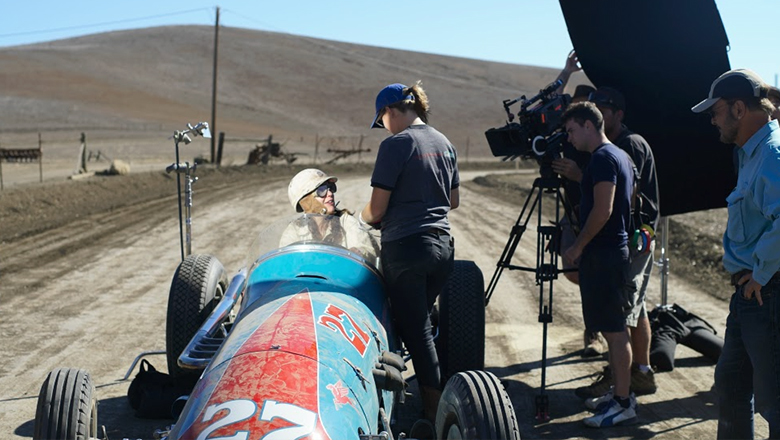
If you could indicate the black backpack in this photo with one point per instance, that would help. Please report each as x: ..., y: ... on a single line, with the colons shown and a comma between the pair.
x: 152, y: 393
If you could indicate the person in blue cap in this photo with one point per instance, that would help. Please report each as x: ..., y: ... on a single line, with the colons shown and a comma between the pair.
x: 415, y: 185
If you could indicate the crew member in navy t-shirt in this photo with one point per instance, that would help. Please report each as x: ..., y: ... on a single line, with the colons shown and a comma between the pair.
x: 602, y: 246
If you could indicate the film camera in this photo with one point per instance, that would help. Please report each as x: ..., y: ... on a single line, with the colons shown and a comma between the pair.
x: 536, y: 133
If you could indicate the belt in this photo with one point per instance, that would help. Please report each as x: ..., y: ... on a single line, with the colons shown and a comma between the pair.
x: 737, y: 276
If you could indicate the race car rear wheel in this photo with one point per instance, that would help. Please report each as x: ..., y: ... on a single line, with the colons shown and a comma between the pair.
x: 474, y: 405
x: 197, y: 287
x: 461, y: 321
x: 67, y: 406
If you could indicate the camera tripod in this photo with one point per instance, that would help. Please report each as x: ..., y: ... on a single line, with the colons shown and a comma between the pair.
x: 546, y: 270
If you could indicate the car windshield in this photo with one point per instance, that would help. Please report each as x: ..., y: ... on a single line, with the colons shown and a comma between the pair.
x: 343, y: 232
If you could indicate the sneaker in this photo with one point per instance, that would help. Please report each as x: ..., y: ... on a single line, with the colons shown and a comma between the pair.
x: 598, y: 388
x: 642, y: 383
x: 612, y: 414
x: 596, y: 404
x: 594, y: 344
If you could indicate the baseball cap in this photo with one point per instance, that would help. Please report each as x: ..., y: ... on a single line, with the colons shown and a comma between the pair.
x: 609, y: 97
x: 305, y: 182
x: 390, y: 95
x: 736, y: 83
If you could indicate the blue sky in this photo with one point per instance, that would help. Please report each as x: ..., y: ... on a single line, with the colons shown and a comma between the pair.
x: 521, y: 31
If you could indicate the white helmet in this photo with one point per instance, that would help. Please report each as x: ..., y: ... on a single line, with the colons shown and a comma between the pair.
x: 305, y: 182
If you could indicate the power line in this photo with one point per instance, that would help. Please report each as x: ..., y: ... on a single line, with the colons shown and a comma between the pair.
x: 107, y: 23
x: 255, y: 21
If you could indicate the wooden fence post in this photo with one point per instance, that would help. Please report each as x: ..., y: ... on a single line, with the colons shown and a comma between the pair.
x: 40, y: 158
x: 219, y: 148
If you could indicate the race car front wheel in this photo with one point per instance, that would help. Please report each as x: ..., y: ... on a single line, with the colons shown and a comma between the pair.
x: 197, y: 287
x: 474, y: 405
x: 67, y: 406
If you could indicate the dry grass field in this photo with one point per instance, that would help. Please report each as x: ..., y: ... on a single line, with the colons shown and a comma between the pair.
x: 129, y: 90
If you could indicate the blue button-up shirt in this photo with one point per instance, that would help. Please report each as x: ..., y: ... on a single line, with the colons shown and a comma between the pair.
x: 752, y: 238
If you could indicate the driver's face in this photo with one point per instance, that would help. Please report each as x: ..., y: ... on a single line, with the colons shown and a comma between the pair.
x: 329, y: 201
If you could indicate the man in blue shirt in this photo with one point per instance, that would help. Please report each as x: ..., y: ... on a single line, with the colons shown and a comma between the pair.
x: 749, y: 365
x: 602, y: 247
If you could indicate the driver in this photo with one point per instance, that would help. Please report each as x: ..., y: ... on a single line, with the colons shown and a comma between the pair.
x: 312, y: 191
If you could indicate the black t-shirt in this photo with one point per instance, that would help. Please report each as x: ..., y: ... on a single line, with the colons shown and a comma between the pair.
x: 419, y: 165
x: 647, y: 191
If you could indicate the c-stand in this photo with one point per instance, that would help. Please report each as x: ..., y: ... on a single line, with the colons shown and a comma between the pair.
x: 546, y: 270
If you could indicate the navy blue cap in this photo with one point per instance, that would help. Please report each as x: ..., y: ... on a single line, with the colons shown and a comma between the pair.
x: 390, y: 95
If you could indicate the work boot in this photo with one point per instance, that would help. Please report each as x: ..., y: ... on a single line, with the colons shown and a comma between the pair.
x: 594, y: 344
x: 598, y: 388
x: 430, y: 398
x: 642, y: 383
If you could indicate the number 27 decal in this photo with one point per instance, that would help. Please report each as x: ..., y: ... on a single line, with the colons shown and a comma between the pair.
x: 334, y: 320
x: 304, y: 421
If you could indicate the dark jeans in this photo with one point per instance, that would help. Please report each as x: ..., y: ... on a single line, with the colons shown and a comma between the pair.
x: 416, y: 268
x: 750, y: 365
x: 603, y: 281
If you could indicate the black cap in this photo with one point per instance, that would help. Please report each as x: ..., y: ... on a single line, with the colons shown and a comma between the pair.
x: 609, y: 97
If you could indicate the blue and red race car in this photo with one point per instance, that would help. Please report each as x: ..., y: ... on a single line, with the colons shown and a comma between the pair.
x: 300, y: 344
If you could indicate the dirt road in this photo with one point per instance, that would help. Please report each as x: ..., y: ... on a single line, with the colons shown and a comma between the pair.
x: 93, y: 295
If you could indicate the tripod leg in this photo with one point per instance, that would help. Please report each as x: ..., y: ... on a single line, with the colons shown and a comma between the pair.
x: 546, y: 271
x: 514, y: 239
x: 546, y: 274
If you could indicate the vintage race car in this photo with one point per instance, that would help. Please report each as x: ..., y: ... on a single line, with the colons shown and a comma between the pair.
x: 300, y: 344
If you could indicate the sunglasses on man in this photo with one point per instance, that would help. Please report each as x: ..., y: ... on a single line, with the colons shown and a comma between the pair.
x: 323, y: 189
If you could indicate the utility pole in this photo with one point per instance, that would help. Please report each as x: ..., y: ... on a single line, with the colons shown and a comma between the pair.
x: 214, y: 86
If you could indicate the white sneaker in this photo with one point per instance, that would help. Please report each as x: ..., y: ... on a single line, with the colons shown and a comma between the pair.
x: 596, y: 403
x: 612, y: 414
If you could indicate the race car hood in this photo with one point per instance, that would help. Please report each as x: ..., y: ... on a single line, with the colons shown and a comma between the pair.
x: 296, y: 365
x: 663, y: 55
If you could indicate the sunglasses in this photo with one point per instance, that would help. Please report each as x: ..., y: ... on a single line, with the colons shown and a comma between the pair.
x: 323, y: 189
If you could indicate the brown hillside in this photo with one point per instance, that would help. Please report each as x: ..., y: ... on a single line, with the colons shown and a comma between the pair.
x: 130, y: 90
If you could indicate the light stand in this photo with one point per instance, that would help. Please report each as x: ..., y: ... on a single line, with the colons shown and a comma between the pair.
x: 201, y: 128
